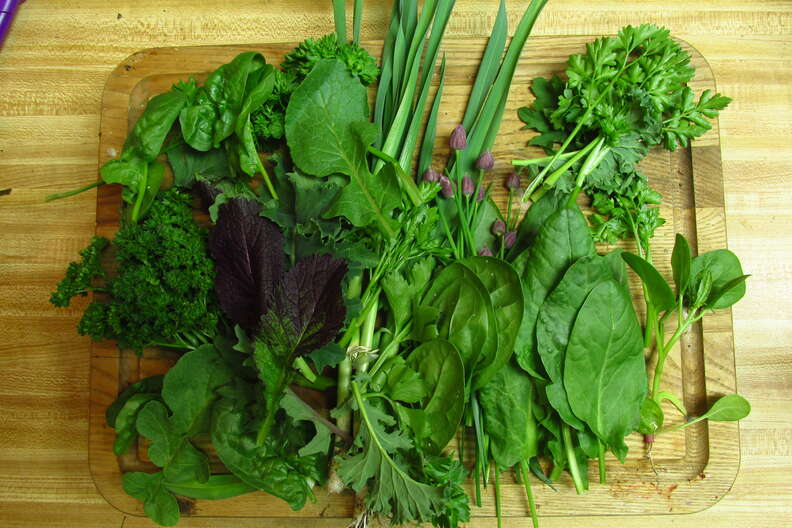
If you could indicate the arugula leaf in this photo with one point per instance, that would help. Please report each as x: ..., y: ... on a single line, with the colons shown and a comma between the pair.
x: 298, y: 411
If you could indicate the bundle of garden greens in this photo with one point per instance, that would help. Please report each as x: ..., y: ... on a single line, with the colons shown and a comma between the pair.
x: 340, y: 264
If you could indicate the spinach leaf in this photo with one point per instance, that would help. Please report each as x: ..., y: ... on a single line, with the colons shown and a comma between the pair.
x: 457, y: 308
x: 658, y: 291
x: 198, y: 126
x: 439, y: 364
x: 218, y: 487
x: 155, y: 123
x: 505, y: 292
x: 274, y: 467
x: 190, y: 387
x: 681, y: 262
x: 554, y: 326
x: 728, y: 285
x: 729, y: 408
x: 126, y: 421
x: 159, y: 504
x: 604, y: 372
x: 534, y: 219
x: 507, y: 402
x: 169, y: 448
x: 189, y: 164
x: 562, y: 239
x: 151, y: 384
x: 328, y: 132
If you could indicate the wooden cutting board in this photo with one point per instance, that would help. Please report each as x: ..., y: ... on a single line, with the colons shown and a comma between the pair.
x: 687, y: 471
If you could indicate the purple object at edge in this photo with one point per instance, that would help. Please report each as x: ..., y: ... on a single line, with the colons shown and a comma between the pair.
x: 8, y: 9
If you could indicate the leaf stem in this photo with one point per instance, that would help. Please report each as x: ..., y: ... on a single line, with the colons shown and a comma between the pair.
x: 545, y: 159
x: 66, y: 194
x: 529, y: 493
x: 498, y: 509
x: 601, y: 461
x: 574, y: 470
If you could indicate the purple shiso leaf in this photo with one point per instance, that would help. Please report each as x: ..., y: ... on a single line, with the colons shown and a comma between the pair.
x: 249, y: 259
x: 308, y: 309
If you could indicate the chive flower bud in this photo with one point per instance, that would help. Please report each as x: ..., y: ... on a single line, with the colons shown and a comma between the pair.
x: 513, y: 181
x: 458, y: 138
x: 481, y: 194
x: 509, y: 239
x: 467, y: 185
x: 446, y: 189
x: 430, y: 175
x: 485, y: 252
x: 498, y: 227
x: 486, y: 162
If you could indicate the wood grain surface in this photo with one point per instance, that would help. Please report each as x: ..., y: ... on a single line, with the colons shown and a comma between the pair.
x: 52, y: 73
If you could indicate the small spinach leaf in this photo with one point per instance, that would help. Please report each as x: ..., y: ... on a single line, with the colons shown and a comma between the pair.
x: 658, y: 291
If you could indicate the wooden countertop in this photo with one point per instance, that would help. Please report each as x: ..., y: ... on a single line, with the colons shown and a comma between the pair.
x: 52, y: 71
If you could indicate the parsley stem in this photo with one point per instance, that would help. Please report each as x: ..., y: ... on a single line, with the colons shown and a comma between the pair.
x: 545, y: 159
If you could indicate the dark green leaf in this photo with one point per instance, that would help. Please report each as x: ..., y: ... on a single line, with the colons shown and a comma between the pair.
x: 658, y: 291
x: 125, y: 423
x: 604, y: 372
x: 151, y: 384
x: 189, y: 164
x: 218, y: 487
x: 680, y: 263
x: 158, y: 503
x: 725, y: 268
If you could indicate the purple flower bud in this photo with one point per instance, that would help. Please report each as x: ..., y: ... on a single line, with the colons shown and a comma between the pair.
x: 485, y: 252
x: 458, y: 138
x: 486, y: 162
x: 498, y: 227
x: 468, y: 186
x: 481, y: 194
x: 446, y: 189
x: 509, y: 239
x: 513, y: 181
x: 430, y: 175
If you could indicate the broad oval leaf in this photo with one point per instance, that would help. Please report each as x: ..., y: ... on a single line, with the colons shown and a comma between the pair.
x: 729, y: 408
x: 563, y: 239
x: 554, y: 325
x: 658, y: 290
x: 604, y: 371
x: 509, y: 422
x: 503, y: 285
x: 443, y: 373
x: 462, y: 313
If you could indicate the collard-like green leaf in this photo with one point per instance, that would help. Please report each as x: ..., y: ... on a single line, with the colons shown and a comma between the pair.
x: 440, y: 366
x: 507, y: 403
x: 563, y: 239
x: 328, y: 132
x: 604, y: 372
x: 503, y: 285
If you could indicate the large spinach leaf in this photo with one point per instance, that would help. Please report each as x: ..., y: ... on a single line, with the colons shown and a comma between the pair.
x: 457, y: 308
x: 554, y: 325
x: 604, y: 372
x: 507, y: 402
x: 563, y: 239
x: 503, y: 285
x: 443, y: 373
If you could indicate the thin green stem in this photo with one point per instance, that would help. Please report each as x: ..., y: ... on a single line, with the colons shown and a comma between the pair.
x: 498, y: 509
x: 529, y: 493
x: 551, y: 180
x: 574, y: 470
x: 141, y: 192
x: 601, y: 460
x: 545, y: 159
x: 304, y: 369
x: 66, y: 194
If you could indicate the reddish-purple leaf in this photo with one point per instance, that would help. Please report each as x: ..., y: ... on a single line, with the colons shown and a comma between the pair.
x: 249, y: 257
